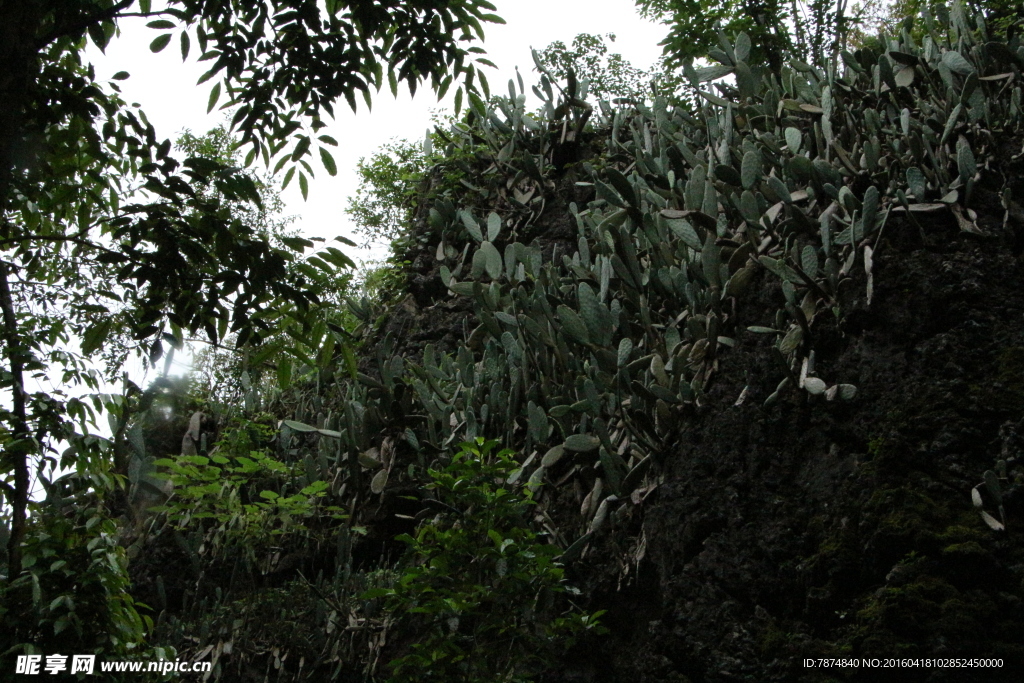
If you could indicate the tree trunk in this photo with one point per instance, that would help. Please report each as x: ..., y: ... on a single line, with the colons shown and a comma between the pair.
x: 18, y: 18
x: 15, y: 458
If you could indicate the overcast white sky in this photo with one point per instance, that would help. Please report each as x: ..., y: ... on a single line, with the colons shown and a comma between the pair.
x: 168, y: 94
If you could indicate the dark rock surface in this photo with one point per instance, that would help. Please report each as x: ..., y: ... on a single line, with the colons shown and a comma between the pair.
x: 816, y: 529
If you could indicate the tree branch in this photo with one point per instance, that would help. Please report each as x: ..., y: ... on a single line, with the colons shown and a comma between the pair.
x: 77, y: 27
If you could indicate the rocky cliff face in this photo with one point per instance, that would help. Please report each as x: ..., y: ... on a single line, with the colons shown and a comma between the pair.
x: 816, y: 528
x: 841, y: 530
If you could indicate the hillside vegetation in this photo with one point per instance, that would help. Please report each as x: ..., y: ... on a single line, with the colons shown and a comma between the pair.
x: 659, y: 393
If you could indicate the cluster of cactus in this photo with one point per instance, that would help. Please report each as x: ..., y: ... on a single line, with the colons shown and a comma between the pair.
x: 592, y: 356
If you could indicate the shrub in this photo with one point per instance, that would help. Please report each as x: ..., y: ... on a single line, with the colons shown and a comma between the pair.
x: 480, y: 587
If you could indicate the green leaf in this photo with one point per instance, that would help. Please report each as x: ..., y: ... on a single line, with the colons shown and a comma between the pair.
x: 298, y: 426
x: 780, y: 189
x: 870, y: 210
x: 636, y: 475
x: 184, y: 45
x: 781, y: 268
x: 538, y: 422
x: 713, y: 99
x: 284, y: 372
x: 746, y: 82
x: 95, y: 336
x: 749, y: 208
x: 612, y: 471
x: 472, y: 227
x: 214, y: 96
x: 379, y: 481
x: 801, y: 168
x: 814, y: 386
x: 956, y: 63
x: 750, y: 170
x: 296, y: 243
x: 622, y: 186
x: 742, y: 47
x: 809, y: 261
x: 160, y: 43
x: 120, y: 75
x: 328, y: 161
x: 727, y: 174
x: 965, y: 161
x: 710, y: 258
x: 792, y: 340
x: 625, y: 349
x: 793, y: 139
x: 739, y: 282
x: 595, y: 315
x: 916, y: 183
x: 493, y: 226
x: 573, y: 324
x: 368, y: 461
x: 582, y: 443
x: 301, y: 147
x: 492, y: 259
x: 303, y: 185
x: 552, y: 456
x: 712, y: 73
x: 951, y: 122
x: 905, y: 77
x: 686, y: 232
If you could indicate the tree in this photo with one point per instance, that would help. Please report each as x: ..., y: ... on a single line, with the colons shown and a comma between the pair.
x: 876, y: 16
x: 609, y: 75
x: 382, y: 206
x: 105, y: 237
x: 777, y: 29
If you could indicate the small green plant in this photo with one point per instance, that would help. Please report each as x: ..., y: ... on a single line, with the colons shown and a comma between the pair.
x: 243, y: 489
x: 383, y: 279
x: 73, y: 594
x: 480, y: 588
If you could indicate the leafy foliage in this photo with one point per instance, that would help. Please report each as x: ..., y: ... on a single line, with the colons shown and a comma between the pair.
x: 609, y: 75
x: 265, y: 217
x: 74, y: 591
x: 601, y: 351
x: 383, y: 203
x: 109, y: 239
x: 598, y: 327
x: 478, y: 584
x: 778, y: 30
x: 244, y: 492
